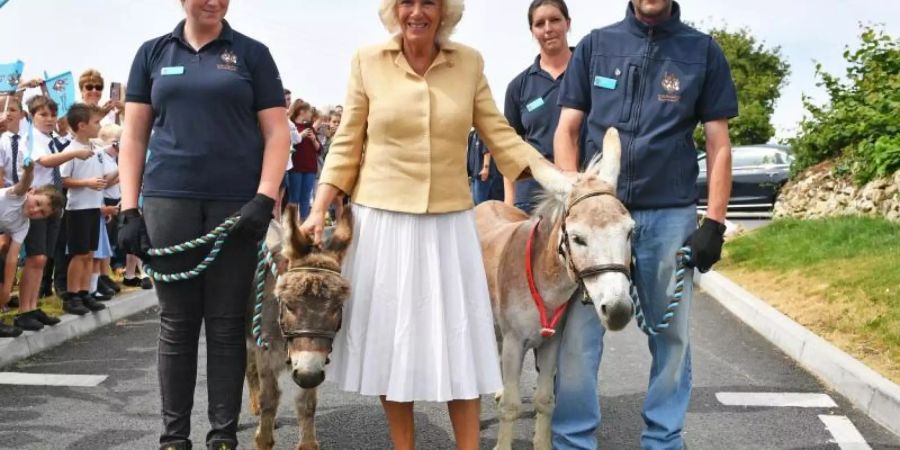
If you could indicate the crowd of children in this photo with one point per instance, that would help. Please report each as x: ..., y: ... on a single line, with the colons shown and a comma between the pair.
x: 58, y: 205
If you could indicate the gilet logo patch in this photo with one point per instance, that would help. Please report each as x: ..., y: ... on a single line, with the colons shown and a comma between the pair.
x: 671, y: 85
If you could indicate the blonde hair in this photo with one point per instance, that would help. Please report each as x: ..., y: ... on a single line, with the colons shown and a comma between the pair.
x: 89, y: 75
x: 109, y: 134
x: 450, y: 17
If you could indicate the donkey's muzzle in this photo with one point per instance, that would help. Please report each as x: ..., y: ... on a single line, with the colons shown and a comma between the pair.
x: 616, y: 315
x: 308, y: 380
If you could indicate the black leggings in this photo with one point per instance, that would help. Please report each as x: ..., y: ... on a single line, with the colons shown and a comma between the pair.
x: 217, y: 298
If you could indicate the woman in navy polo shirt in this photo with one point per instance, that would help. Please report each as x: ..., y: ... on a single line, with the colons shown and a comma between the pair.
x: 531, y: 96
x: 213, y: 99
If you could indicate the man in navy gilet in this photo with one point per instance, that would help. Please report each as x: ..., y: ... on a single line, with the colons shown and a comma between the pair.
x: 654, y: 79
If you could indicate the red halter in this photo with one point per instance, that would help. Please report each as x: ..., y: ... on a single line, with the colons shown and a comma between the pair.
x: 548, y: 327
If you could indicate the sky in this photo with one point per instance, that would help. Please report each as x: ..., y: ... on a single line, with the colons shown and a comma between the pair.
x: 312, y: 41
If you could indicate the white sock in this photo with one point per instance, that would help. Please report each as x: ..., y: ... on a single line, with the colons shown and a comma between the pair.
x: 94, y: 278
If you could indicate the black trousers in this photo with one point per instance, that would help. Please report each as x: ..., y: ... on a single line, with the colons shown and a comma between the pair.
x: 218, y: 299
x: 56, y: 270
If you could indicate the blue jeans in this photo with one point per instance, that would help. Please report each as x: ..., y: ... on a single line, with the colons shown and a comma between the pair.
x: 481, y: 190
x: 300, y: 190
x: 658, y: 234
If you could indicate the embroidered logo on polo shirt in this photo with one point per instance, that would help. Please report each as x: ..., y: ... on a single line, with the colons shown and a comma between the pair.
x: 671, y: 85
x: 230, y: 60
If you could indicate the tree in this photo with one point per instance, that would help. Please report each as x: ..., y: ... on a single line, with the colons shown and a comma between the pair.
x: 859, y: 125
x: 759, y: 73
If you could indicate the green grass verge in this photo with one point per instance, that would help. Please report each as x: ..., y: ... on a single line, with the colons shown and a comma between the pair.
x: 855, y: 262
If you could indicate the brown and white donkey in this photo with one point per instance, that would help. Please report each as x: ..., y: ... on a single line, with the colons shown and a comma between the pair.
x: 300, y: 315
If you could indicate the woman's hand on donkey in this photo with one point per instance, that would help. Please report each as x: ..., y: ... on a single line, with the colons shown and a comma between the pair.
x: 314, y: 226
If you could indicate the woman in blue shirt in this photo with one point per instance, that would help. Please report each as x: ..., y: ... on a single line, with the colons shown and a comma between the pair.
x: 207, y: 104
x: 531, y: 96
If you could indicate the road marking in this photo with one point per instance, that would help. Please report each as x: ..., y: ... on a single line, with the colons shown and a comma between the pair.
x: 50, y: 379
x: 778, y: 399
x: 846, y: 436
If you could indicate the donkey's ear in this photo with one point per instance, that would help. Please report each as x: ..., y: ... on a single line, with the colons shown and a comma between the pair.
x: 296, y: 244
x: 550, y: 178
x: 342, y: 235
x: 608, y: 169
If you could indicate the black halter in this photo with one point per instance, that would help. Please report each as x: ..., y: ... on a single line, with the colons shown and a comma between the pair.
x: 306, y: 332
x: 566, y: 251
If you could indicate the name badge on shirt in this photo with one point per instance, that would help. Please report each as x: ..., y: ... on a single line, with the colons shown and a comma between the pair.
x: 172, y: 70
x: 605, y: 83
x: 535, y: 104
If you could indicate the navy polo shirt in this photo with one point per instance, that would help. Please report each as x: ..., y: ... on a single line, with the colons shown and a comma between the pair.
x: 654, y: 84
x: 532, y: 109
x: 206, y: 142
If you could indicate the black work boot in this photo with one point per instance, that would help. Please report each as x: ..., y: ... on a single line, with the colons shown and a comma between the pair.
x: 89, y: 301
x: 183, y: 445
x: 73, y: 304
x: 44, y: 318
x: 28, y: 322
x: 221, y: 445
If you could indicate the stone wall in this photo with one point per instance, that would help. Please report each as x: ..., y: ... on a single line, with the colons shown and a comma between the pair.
x: 817, y: 193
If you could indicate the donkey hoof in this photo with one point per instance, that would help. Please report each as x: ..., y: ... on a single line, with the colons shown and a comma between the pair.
x: 308, y: 446
x: 265, y: 444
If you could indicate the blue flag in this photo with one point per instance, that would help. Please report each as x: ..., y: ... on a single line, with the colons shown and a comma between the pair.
x: 3, y: 2
x: 62, y: 91
x: 10, y: 74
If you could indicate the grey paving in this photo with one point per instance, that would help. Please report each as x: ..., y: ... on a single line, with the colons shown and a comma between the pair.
x: 122, y: 413
x: 751, y: 224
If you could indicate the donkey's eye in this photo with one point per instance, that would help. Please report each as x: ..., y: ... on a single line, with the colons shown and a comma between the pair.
x: 578, y: 240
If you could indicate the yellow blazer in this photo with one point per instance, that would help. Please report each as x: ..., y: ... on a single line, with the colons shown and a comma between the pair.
x: 401, y: 145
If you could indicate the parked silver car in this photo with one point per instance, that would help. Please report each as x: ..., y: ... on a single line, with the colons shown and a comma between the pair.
x: 758, y: 172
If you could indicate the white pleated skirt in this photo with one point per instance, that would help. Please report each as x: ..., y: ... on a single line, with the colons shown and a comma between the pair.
x: 418, y: 324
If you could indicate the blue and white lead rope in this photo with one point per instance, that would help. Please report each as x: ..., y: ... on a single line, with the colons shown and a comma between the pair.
x: 217, y: 237
x: 682, y: 257
x: 264, y: 259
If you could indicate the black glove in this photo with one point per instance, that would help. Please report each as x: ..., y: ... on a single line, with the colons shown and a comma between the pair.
x: 706, y: 245
x: 133, y: 237
x: 255, y: 217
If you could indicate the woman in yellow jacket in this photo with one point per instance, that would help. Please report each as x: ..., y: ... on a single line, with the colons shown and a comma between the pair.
x: 418, y: 326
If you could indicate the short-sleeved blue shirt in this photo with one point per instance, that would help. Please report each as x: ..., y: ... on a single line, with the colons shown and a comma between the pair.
x: 206, y: 142
x: 532, y: 109
x: 654, y: 84
x: 475, y: 158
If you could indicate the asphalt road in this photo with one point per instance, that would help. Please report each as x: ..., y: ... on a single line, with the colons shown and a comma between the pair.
x: 122, y: 411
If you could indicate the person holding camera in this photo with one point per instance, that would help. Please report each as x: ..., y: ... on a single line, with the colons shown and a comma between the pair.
x: 305, y: 159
